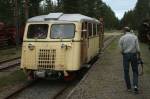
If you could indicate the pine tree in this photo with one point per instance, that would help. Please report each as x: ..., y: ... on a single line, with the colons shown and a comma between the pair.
x: 135, y: 17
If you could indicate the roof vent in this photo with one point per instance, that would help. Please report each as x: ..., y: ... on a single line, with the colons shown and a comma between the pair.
x: 53, y: 16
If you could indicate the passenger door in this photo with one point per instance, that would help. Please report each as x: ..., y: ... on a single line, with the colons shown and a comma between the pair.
x: 84, y: 43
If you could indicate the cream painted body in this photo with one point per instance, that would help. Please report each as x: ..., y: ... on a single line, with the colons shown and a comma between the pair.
x: 65, y: 58
x: 47, y: 54
x: 93, y: 48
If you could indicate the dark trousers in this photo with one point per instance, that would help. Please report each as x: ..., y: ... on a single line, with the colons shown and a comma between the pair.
x: 130, y: 58
x: 149, y: 44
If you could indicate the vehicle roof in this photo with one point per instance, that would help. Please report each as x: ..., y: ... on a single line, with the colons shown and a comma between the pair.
x: 61, y: 17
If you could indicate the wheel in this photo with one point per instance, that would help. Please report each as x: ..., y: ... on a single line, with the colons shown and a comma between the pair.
x: 31, y: 75
x: 70, y: 77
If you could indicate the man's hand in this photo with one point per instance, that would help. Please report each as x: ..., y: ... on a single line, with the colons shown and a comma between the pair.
x: 138, y: 55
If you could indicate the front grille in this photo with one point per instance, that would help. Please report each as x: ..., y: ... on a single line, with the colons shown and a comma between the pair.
x: 46, y: 58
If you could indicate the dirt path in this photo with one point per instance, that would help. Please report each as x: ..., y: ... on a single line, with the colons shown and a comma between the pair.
x: 105, y: 79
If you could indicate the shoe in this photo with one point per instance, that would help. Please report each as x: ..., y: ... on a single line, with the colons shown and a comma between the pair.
x: 136, y: 91
x: 129, y: 90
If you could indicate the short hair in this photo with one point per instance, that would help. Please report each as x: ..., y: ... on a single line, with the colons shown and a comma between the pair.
x: 126, y: 29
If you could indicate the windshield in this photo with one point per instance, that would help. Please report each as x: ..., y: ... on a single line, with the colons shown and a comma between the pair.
x: 38, y: 31
x: 64, y: 31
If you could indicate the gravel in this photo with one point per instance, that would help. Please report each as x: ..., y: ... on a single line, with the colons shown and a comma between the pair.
x: 105, y: 80
x: 44, y: 89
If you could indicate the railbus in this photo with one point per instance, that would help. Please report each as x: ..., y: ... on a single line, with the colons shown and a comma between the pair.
x: 59, y: 43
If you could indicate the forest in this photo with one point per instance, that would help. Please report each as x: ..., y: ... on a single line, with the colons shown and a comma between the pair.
x: 135, y: 17
x: 18, y: 11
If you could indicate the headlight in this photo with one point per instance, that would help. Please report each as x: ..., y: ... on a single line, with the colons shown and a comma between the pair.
x: 31, y: 47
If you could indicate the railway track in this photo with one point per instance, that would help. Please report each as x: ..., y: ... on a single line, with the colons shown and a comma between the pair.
x: 40, y: 89
x: 107, y: 42
x: 1, y: 62
x: 20, y: 89
x: 107, y: 38
x: 9, y: 63
x: 59, y: 93
x: 51, y: 90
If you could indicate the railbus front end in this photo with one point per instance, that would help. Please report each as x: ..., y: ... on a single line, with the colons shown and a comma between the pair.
x: 57, y: 44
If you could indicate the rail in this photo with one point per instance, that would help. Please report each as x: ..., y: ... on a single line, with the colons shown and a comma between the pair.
x: 9, y: 63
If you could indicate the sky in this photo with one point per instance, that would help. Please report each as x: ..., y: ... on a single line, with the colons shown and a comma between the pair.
x: 120, y: 6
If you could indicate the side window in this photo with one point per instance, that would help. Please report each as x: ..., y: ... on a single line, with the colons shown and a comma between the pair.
x: 84, y: 33
x: 98, y: 29
x: 90, y: 29
x: 94, y: 29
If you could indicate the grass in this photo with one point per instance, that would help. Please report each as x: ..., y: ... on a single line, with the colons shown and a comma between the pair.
x: 12, y: 79
x: 113, y: 45
x: 112, y: 31
x: 145, y: 53
x: 111, y: 48
x: 9, y: 53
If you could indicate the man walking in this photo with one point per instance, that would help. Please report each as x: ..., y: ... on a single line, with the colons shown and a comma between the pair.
x: 130, y: 48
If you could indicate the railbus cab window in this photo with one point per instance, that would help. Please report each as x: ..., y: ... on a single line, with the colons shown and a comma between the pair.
x: 63, y: 31
x: 38, y: 31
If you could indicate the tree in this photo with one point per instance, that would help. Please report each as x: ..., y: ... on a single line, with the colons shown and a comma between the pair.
x: 142, y: 10
x: 134, y: 17
x: 128, y: 19
x: 70, y: 6
x: 34, y: 7
x: 6, y: 11
x: 92, y: 8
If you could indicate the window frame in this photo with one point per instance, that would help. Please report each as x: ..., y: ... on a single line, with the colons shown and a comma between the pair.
x: 98, y: 29
x: 37, y: 38
x: 90, y: 30
x: 50, y: 36
x: 84, y: 26
x: 94, y: 29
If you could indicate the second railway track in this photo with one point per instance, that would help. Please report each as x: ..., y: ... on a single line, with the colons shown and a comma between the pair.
x: 9, y: 63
